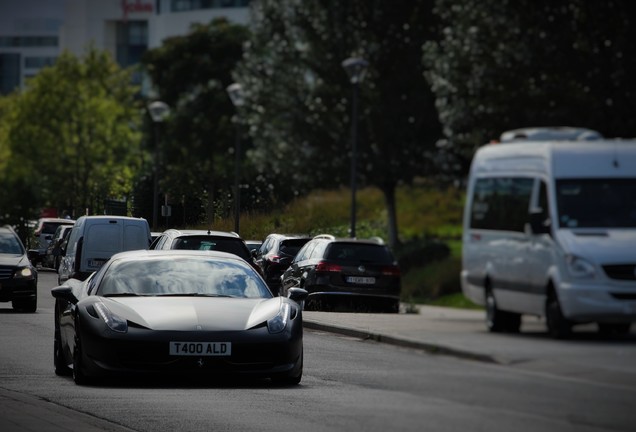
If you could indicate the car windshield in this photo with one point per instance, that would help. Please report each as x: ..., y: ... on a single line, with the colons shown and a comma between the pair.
x: 182, y: 276
x: 9, y: 244
x: 359, y: 252
x: 596, y: 203
x: 230, y: 245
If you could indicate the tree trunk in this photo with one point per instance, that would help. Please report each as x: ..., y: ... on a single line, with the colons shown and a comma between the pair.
x: 389, y: 199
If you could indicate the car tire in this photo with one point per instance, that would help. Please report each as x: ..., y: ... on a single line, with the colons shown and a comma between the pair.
x: 559, y: 327
x: 79, y: 376
x: 61, y: 368
x: 28, y: 305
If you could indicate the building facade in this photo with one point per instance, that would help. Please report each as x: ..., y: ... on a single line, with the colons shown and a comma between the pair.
x: 34, y: 32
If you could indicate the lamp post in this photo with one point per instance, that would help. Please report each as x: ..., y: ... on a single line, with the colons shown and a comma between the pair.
x: 235, y: 91
x: 158, y: 112
x: 356, y: 69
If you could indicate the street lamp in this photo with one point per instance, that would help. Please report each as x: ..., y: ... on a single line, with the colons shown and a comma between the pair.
x: 356, y: 68
x: 235, y: 91
x: 158, y: 112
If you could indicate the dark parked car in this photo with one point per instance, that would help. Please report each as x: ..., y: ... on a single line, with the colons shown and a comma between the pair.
x: 53, y: 254
x: 18, y: 277
x: 362, y: 275
x: 43, y: 233
x: 177, y: 312
x: 204, y: 240
x: 276, y: 254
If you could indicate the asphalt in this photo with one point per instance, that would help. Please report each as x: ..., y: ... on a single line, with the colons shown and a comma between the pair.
x: 438, y: 330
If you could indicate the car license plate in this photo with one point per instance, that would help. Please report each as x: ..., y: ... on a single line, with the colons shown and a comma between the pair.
x: 201, y: 348
x: 96, y: 263
x: 361, y: 280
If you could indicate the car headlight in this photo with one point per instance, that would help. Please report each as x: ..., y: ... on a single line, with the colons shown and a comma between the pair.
x: 113, y: 322
x: 579, y: 267
x: 279, y: 322
x: 24, y: 273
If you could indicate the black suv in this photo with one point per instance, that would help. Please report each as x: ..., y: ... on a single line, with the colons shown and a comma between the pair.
x: 276, y: 254
x: 18, y: 277
x: 362, y: 275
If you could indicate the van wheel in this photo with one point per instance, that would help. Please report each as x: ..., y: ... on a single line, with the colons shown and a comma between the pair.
x: 498, y: 320
x: 558, y: 326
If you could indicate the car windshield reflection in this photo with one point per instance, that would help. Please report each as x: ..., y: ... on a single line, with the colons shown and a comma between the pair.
x: 182, y: 276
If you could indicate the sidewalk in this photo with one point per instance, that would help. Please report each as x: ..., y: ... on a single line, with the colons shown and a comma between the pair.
x: 440, y: 330
x: 435, y: 329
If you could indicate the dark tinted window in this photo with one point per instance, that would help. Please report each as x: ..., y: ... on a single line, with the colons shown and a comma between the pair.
x: 596, y: 203
x: 50, y: 227
x: 231, y: 245
x: 292, y: 246
x: 359, y: 252
x: 501, y: 203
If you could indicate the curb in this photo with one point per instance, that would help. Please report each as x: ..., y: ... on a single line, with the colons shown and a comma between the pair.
x: 431, y: 348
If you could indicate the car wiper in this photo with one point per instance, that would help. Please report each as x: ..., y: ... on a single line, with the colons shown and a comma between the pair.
x: 128, y: 294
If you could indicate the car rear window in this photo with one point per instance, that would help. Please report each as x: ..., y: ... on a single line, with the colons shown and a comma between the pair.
x: 359, y: 252
x: 291, y: 247
x: 230, y: 245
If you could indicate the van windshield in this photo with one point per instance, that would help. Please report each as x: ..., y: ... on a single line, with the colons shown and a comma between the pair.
x: 596, y: 203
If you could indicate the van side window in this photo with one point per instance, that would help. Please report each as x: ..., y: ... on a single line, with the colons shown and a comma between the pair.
x: 501, y: 203
x: 543, y: 199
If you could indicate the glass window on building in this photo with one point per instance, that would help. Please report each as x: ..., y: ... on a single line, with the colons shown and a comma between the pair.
x: 9, y: 72
x: 132, y: 43
x: 188, y: 5
x: 38, y: 62
x: 28, y: 41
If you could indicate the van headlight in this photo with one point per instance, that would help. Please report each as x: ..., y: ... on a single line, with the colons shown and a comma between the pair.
x: 579, y: 268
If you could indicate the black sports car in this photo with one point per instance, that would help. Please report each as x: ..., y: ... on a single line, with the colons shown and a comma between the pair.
x: 177, y: 311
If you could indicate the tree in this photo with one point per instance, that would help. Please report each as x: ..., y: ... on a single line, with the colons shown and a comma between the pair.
x: 72, y: 136
x: 501, y: 65
x: 298, y: 95
x: 191, y: 74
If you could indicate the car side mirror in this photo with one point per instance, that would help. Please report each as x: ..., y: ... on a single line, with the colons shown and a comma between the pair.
x: 298, y: 295
x: 64, y: 292
x: 540, y: 223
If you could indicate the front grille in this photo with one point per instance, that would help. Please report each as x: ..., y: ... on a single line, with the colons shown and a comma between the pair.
x: 621, y: 271
x: 154, y: 356
x: 6, y: 272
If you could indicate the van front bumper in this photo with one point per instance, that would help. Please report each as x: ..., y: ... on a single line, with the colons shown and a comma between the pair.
x: 588, y: 302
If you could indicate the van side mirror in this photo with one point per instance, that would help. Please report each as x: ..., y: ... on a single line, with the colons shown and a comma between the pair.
x: 539, y: 222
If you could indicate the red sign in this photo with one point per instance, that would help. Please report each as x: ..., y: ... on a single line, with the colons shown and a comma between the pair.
x: 136, y: 6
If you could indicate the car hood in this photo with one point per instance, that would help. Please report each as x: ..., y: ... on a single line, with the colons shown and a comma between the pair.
x: 601, y: 246
x: 13, y: 260
x: 194, y: 313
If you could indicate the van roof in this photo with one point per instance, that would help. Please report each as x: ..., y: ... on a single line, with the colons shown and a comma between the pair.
x: 560, y: 159
x: 555, y: 133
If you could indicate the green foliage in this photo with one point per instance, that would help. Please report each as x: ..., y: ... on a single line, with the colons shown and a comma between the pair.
x: 299, y: 97
x: 191, y: 73
x: 503, y: 64
x: 72, y: 136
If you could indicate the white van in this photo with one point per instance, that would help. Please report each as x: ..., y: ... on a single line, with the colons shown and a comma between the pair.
x: 550, y: 230
x: 94, y: 239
